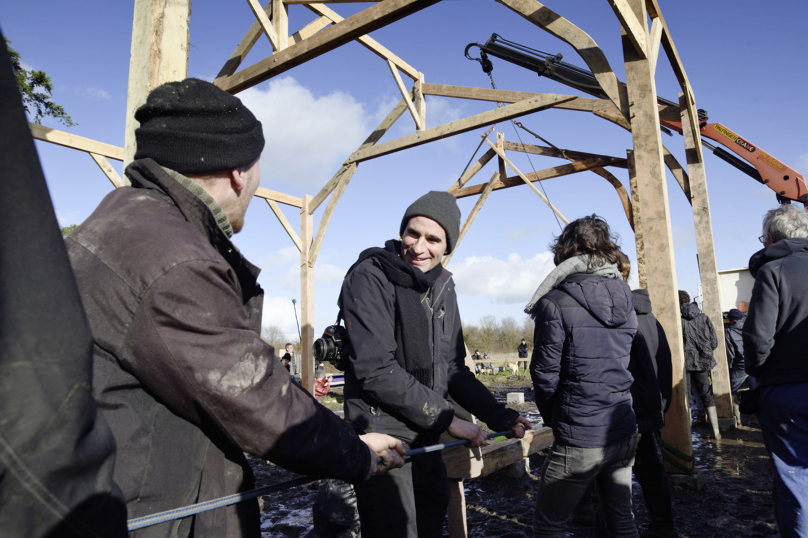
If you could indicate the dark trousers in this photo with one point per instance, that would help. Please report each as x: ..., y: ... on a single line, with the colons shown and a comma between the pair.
x: 649, y: 470
x: 410, y: 502
x: 700, y: 381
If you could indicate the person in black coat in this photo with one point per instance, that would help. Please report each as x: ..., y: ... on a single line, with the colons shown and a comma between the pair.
x: 735, y: 356
x: 522, y: 350
x: 585, y: 325
x: 650, y: 366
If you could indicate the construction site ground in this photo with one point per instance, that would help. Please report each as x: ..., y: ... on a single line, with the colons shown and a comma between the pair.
x: 730, y: 495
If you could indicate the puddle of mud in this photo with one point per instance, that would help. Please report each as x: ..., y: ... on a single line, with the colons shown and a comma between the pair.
x: 734, y: 501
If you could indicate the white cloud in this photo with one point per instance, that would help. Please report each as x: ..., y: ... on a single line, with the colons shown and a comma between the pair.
x: 440, y: 111
x: 506, y: 281
x: 279, y: 311
x: 307, y: 136
x: 284, y: 256
x: 98, y: 93
x: 27, y: 66
x: 324, y: 273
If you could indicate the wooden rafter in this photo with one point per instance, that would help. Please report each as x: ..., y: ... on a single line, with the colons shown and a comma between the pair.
x: 472, y: 215
x: 416, y: 115
x: 670, y: 49
x: 279, y: 197
x: 654, y: 39
x: 329, y: 212
x: 548, y: 20
x: 473, y: 169
x: 108, y: 170
x: 285, y: 223
x: 490, y: 117
x: 264, y: 22
x: 372, y: 18
x: 634, y: 31
x: 69, y: 140
x: 280, y: 23
x: 368, y: 42
x: 565, y: 154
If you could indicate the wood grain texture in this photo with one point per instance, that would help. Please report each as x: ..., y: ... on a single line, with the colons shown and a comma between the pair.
x: 108, y: 170
x: 285, y: 223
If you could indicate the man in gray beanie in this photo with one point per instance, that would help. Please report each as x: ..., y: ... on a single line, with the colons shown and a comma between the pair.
x: 181, y: 373
x: 407, y: 356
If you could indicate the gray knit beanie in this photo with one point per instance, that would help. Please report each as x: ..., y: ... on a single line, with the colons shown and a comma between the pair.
x: 194, y: 127
x: 441, y: 207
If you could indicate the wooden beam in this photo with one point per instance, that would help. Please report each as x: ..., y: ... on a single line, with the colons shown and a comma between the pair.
x: 372, y: 18
x: 108, y: 170
x: 327, y: 189
x: 635, y: 32
x: 566, y: 154
x: 499, y: 455
x: 280, y: 22
x: 69, y: 140
x: 693, y: 120
x: 416, y: 116
x: 385, y: 125
x: 158, y: 54
x: 285, y: 223
x: 541, y: 175
x: 309, y: 30
x: 490, y: 117
x: 329, y: 212
x: 654, y: 38
x: 678, y: 173
x: 310, y: 2
x: 243, y: 48
x: 501, y: 153
x: 368, y: 42
x: 708, y: 269
x: 306, y: 298
x: 265, y: 23
x: 670, y: 49
x: 656, y: 227
x: 473, y: 215
x: 420, y: 99
x: 280, y: 197
x: 628, y: 208
x: 642, y: 275
x: 473, y: 169
x: 551, y: 22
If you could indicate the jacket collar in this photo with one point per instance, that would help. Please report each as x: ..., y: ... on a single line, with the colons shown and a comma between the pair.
x: 147, y: 174
x: 775, y: 251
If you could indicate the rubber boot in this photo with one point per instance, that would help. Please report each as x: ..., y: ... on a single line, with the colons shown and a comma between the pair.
x: 736, y: 410
x: 713, y: 416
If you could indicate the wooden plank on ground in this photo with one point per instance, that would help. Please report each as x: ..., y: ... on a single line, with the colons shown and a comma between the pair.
x: 69, y: 140
x: 280, y: 197
x: 490, y: 117
x: 372, y: 18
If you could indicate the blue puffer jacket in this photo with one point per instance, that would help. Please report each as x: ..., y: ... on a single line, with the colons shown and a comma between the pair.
x: 584, y: 330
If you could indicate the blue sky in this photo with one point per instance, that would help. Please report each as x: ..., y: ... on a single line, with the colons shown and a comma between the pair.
x: 746, y: 63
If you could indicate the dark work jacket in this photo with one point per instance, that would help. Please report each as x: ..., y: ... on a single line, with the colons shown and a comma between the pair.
x: 699, y: 339
x: 733, y: 335
x: 580, y: 360
x: 180, y: 372
x: 776, y: 325
x: 650, y: 366
x: 380, y: 396
x: 522, y: 349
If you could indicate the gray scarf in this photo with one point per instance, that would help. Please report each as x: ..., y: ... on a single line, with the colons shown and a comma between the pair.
x: 578, y: 264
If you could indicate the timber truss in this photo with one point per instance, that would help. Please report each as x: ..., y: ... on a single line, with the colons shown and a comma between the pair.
x: 632, y: 106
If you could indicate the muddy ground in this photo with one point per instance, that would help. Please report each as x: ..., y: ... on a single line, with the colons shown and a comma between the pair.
x: 735, y: 500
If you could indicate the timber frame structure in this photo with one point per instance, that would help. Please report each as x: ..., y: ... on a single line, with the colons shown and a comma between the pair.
x: 159, y: 54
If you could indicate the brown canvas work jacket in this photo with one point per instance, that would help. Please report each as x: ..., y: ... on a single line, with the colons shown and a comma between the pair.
x: 180, y: 371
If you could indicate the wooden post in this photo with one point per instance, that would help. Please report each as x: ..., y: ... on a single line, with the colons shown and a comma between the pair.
x: 656, y: 226
x: 306, y: 298
x: 708, y: 269
x: 159, y: 54
x: 635, y: 203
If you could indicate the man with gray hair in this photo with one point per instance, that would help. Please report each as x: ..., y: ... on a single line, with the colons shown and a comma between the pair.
x: 774, y: 337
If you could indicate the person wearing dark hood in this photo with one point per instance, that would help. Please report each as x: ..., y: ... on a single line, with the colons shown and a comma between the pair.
x: 181, y: 373
x: 700, y: 340
x: 522, y: 351
x: 651, y: 368
x: 407, y: 356
x: 774, y: 336
x: 585, y: 325
x: 735, y: 355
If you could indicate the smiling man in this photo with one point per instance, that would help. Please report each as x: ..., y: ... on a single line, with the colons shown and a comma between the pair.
x: 400, y: 309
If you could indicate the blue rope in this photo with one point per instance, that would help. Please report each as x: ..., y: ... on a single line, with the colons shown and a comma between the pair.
x: 179, y: 513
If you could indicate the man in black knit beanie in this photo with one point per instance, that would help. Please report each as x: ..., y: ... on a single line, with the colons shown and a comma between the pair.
x: 400, y: 310
x: 181, y: 373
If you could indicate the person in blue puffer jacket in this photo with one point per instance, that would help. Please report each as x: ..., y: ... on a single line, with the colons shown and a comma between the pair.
x: 584, y: 327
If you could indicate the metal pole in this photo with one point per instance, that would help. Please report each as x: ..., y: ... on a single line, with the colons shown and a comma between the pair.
x: 297, y: 322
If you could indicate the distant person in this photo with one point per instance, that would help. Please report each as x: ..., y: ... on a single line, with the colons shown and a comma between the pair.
x: 774, y: 337
x: 584, y: 328
x: 735, y: 356
x: 290, y: 356
x: 650, y: 366
x: 522, y: 350
x: 699, y: 342
x: 285, y: 362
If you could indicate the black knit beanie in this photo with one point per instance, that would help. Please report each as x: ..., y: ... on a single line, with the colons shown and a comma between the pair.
x: 441, y: 207
x: 193, y: 127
